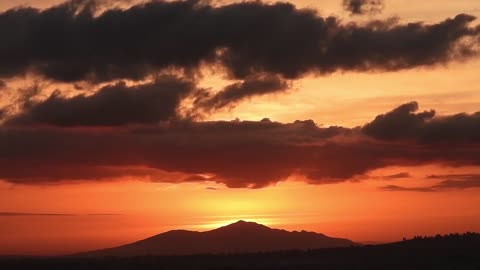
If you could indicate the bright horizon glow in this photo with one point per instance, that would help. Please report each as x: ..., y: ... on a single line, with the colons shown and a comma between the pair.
x: 222, y: 223
x: 329, y: 209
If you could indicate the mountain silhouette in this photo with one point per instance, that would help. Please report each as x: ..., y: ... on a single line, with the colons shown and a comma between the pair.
x: 239, y: 237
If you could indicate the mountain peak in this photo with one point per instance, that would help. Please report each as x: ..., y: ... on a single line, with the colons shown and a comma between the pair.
x: 241, y: 221
x: 244, y: 225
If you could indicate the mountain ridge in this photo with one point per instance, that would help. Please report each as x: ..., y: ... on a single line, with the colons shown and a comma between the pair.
x: 239, y: 237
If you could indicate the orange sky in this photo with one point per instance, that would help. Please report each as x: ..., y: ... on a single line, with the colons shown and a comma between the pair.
x: 108, y: 213
x: 356, y: 210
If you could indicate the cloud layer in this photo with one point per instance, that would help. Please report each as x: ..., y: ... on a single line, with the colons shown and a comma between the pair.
x: 238, y: 154
x: 134, y: 126
x: 69, y: 42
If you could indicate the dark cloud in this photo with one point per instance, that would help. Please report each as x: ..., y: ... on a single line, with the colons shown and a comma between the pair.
x: 112, y: 105
x: 457, y: 181
x: 403, y: 123
x: 454, y: 176
x: 236, y: 153
x: 70, y: 42
x: 239, y: 154
x: 401, y: 175
x: 234, y: 93
x: 399, y: 188
x: 135, y: 131
x: 361, y: 7
x: 398, y: 176
x: 3, y: 113
x: 3, y: 84
x: 459, y: 184
x: 449, y: 182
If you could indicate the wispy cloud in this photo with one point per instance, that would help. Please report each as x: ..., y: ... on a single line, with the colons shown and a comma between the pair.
x: 401, y: 175
x: 17, y: 214
x: 449, y: 182
x: 400, y: 188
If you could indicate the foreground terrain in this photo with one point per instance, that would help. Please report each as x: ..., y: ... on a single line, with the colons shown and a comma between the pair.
x: 446, y: 252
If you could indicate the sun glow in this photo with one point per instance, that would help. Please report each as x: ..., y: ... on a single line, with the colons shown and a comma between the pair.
x: 226, y: 220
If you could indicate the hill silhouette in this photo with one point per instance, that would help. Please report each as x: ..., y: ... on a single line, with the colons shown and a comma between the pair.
x: 239, y: 237
x: 465, y: 240
x: 455, y: 251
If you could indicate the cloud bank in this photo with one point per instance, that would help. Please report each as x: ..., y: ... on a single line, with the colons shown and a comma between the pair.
x: 70, y: 42
x: 235, y: 153
x: 134, y: 126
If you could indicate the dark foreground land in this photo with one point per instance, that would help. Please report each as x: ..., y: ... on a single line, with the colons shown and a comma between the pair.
x: 448, y: 252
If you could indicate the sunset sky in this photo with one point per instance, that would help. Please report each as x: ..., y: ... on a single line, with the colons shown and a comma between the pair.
x: 124, y: 119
